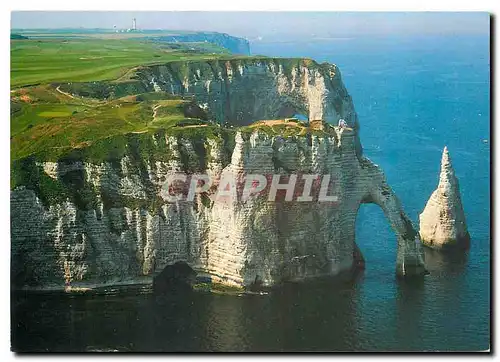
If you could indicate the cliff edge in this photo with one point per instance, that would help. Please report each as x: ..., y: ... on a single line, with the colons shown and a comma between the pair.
x: 234, y: 44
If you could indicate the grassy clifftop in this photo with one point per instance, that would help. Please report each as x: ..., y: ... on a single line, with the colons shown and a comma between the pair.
x: 48, y: 122
x: 83, y: 60
x: 42, y: 61
x: 82, y: 94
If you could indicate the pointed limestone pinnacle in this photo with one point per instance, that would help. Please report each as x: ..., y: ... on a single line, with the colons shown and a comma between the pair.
x: 442, y: 223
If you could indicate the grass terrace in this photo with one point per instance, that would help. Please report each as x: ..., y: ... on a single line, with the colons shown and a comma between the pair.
x: 290, y: 127
x: 47, y: 122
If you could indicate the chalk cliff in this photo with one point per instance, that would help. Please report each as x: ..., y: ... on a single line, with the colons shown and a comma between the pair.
x: 245, y: 90
x: 442, y: 223
x: 90, y: 222
x: 241, y: 90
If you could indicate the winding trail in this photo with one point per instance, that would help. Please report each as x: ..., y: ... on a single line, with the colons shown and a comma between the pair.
x: 155, y: 111
x: 62, y: 92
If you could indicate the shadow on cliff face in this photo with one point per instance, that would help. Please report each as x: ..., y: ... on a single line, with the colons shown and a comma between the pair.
x: 175, y: 278
x: 192, y: 110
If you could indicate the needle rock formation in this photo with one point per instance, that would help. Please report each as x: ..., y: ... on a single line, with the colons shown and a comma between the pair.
x: 442, y: 223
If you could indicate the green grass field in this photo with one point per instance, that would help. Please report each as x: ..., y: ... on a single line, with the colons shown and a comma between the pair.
x: 48, y: 121
x: 81, y: 60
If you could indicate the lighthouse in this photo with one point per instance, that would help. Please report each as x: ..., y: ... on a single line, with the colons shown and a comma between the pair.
x: 134, y: 24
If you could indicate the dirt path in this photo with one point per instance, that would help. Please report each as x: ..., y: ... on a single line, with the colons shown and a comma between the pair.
x: 155, y: 111
x: 195, y: 125
x: 66, y: 94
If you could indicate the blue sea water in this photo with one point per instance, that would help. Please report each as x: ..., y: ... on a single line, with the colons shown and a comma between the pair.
x: 413, y: 95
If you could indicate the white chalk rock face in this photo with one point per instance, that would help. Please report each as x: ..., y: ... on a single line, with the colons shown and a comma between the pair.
x: 93, y: 223
x: 124, y: 233
x: 442, y: 223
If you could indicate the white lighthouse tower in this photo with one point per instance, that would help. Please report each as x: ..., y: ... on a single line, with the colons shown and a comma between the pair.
x: 134, y: 24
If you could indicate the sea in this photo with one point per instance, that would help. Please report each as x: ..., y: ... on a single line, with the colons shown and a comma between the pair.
x: 413, y: 95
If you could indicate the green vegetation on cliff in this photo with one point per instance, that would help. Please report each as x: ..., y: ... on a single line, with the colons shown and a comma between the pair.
x: 81, y: 99
x: 49, y: 123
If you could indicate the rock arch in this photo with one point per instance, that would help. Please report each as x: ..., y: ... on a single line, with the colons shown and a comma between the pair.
x: 256, y: 89
x: 289, y: 110
x: 410, y: 257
